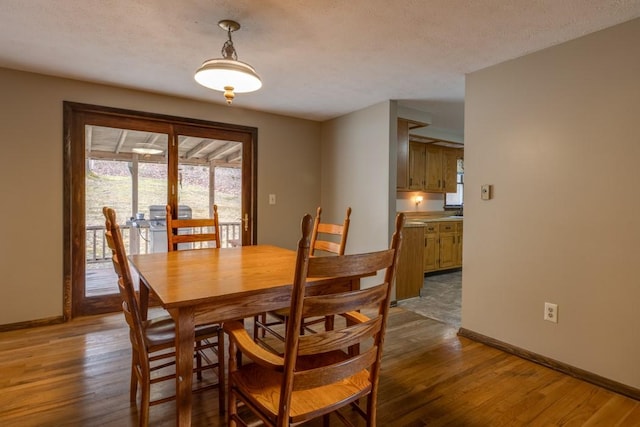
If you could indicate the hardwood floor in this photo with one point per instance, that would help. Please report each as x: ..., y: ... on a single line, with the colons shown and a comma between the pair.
x: 77, y: 374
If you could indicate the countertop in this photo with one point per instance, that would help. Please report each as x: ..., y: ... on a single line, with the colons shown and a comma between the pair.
x: 420, y: 222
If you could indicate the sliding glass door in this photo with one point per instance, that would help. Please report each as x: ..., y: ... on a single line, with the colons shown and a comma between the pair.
x: 138, y: 163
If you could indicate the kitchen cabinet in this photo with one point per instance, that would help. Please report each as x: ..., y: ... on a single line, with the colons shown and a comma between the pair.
x: 431, y: 247
x: 437, y: 245
x: 459, y: 247
x: 416, y: 166
x: 450, y: 158
x: 402, y: 152
x: 442, y: 245
x: 432, y: 168
x: 448, y: 244
x: 410, y: 273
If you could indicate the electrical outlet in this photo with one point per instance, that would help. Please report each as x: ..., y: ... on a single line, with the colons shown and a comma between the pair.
x: 551, y: 312
x: 272, y: 199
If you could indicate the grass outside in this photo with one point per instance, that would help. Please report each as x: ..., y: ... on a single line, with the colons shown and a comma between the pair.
x: 115, y: 191
x: 109, y: 184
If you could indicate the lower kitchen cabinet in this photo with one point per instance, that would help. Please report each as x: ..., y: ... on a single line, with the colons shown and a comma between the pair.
x: 410, y: 274
x: 442, y: 245
x: 448, y: 244
x: 432, y: 247
x: 459, y: 248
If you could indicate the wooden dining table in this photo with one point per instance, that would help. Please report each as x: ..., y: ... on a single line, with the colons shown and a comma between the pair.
x: 215, y: 285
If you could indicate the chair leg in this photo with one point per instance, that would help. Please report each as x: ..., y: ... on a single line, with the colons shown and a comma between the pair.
x: 326, y: 422
x: 232, y: 409
x: 371, y: 409
x: 198, y: 362
x: 222, y: 386
x: 145, y: 397
x: 133, y: 387
x: 257, y: 321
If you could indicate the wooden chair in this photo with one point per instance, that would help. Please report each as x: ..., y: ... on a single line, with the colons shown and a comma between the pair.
x: 326, y: 239
x: 152, y: 341
x: 319, y: 373
x: 209, y: 230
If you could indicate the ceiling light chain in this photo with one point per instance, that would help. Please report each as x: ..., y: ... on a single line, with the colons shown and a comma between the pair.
x: 228, y: 50
x: 227, y: 74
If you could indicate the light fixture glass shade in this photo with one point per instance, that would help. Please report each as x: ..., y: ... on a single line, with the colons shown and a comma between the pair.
x: 144, y: 150
x: 218, y: 74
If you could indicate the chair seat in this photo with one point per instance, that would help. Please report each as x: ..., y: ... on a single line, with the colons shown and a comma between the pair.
x: 160, y: 332
x: 264, y: 385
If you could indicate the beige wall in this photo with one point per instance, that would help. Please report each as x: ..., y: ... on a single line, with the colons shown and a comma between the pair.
x: 355, y: 172
x: 557, y: 135
x: 31, y: 175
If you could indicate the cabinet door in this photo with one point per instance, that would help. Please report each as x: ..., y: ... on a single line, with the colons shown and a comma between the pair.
x: 416, y: 166
x: 450, y: 165
x: 448, y: 244
x: 431, y: 248
x: 459, y: 248
x: 433, y: 169
x: 403, y: 154
x: 410, y: 275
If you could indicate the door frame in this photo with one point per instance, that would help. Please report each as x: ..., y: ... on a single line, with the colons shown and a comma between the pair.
x: 76, y: 116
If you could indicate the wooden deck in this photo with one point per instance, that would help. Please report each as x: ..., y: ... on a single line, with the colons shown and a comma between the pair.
x: 100, y: 280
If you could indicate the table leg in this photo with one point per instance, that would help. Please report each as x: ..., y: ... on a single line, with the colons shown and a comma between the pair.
x: 185, y: 337
x: 144, y: 299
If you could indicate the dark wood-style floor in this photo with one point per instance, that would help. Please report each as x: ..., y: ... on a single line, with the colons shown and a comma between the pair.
x: 77, y: 374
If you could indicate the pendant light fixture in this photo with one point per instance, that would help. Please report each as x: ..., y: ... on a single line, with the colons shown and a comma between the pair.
x: 227, y: 74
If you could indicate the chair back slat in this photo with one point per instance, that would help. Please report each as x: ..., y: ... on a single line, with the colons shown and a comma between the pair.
x: 324, y: 305
x: 319, y: 376
x: 329, y: 238
x: 330, y: 341
x: 209, y: 230
x: 350, y: 265
x: 325, y: 246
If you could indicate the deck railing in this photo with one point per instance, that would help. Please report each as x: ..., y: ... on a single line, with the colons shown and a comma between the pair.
x: 97, y: 249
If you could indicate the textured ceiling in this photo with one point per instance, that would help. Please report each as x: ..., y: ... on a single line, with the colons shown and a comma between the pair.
x: 318, y: 59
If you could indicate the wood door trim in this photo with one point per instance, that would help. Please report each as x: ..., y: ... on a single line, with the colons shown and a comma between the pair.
x: 75, y: 116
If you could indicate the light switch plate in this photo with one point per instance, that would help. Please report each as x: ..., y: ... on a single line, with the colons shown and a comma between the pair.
x: 485, y: 192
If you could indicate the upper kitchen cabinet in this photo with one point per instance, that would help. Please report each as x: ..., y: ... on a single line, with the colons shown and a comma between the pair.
x: 450, y: 158
x: 434, y: 180
x: 404, y: 126
x: 417, y: 166
x: 432, y: 167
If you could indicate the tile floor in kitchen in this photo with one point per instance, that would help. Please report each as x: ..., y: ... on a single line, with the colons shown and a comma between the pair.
x: 440, y: 298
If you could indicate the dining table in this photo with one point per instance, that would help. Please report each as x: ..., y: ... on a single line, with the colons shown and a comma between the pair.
x: 203, y: 286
